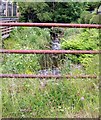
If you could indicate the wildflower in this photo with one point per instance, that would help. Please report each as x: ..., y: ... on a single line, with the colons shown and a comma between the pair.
x: 82, y: 98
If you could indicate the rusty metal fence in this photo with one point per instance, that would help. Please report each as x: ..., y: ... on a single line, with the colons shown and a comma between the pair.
x: 4, y: 51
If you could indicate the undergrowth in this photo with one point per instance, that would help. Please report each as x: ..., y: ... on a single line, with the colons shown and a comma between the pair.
x: 68, y: 98
x: 61, y: 98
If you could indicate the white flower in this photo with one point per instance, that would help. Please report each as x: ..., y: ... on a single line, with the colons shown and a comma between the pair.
x: 82, y: 98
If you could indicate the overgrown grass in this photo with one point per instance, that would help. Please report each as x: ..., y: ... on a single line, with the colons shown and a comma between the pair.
x: 61, y: 98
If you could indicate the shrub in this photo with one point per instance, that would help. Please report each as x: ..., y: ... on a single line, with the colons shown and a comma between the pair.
x: 95, y: 19
x: 91, y: 64
x: 89, y: 18
x: 85, y: 17
x: 25, y: 38
x: 86, y: 40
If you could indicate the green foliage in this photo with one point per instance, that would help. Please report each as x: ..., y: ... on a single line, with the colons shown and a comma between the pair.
x: 50, y: 11
x: 20, y: 64
x: 92, y: 5
x: 66, y: 12
x: 72, y: 98
x: 33, y: 11
x: 95, y: 19
x: 90, y: 14
x: 85, y: 40
x: 91, y: 64
x: 85, y: 17
x: 89, y: 18
x: 30, y: 38
x: 25, y: 38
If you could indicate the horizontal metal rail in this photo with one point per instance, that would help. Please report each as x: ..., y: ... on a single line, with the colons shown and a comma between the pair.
x: 5, y: 29
x: 7, y: 21
x: 45, y: 76
x: 6, y: 32
x: 97, y: 26
x: 50, y: 51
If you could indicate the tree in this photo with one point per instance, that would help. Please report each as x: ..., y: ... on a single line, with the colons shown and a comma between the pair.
x: 34, y: 12
x: 93, y: 6
x: 50, y: 11
x: 90, y: 15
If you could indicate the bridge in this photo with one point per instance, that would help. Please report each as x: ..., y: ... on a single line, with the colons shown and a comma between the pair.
x: 5, y: 30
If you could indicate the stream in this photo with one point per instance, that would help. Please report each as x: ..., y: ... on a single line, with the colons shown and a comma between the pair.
x: 54, y: 70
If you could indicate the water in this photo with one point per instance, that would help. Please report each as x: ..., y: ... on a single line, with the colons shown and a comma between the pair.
x: 54, y: 71
x: 56, y: 44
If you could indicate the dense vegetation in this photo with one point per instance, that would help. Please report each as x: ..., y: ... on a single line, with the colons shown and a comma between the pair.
x: 59, y: 98
x: 67, y: 12
x: 25, y: 98
x: 85, y: 39
x: 25, y: 38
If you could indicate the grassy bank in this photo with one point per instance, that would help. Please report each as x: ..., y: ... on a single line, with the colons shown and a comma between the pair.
x: 61, y: 98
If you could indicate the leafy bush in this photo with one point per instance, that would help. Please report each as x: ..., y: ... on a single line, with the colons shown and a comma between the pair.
x: 91, y: 64
x: 14, y: 63
x: 89, y: 18
x: 85, y: 17
x: 95, y: 19
x: 30, y: 38
x: 88, y: 39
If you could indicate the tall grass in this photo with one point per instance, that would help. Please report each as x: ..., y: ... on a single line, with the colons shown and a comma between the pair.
x: 62, y: 98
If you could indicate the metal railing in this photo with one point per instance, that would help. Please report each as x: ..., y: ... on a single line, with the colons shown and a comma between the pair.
x: 97, y: 26
x: 4, y: 51
x: 5, y: 30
